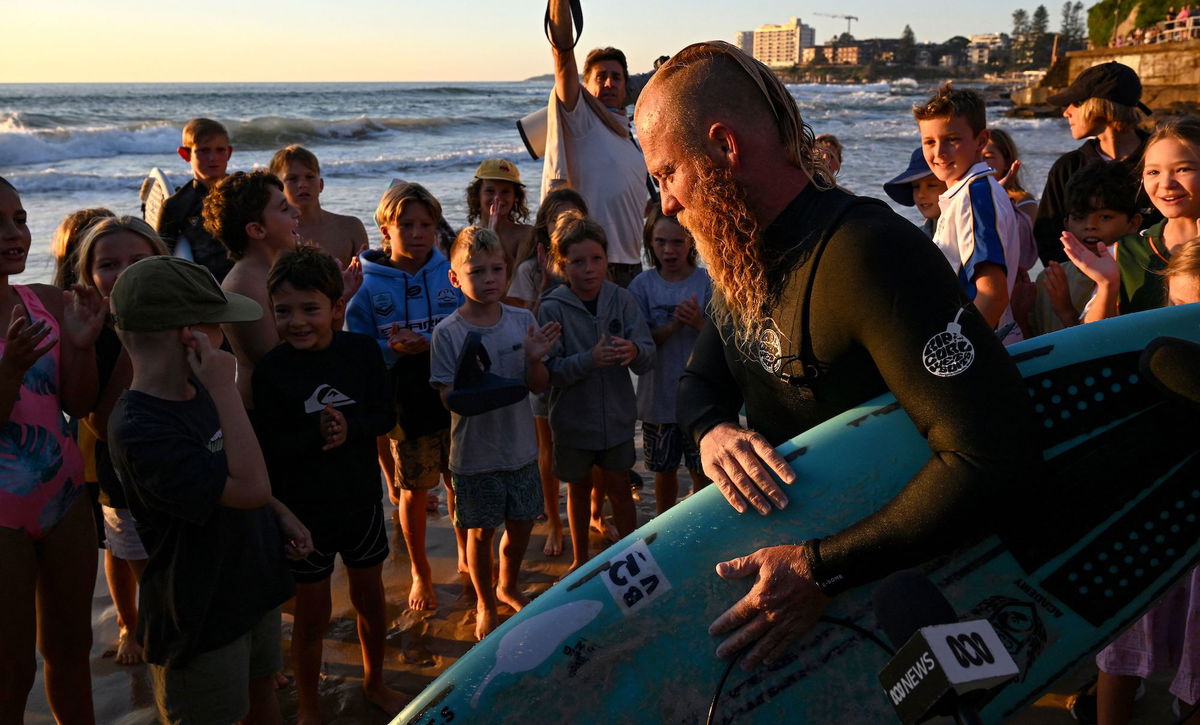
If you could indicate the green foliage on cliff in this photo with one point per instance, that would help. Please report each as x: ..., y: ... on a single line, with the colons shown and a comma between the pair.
x: 1105, y: 14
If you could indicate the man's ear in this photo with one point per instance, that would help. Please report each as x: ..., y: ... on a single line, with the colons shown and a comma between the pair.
x: 185, y: 153
x: 723, y: 145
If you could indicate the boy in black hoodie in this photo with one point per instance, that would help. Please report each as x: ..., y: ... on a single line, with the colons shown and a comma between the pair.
x: 321, y: 398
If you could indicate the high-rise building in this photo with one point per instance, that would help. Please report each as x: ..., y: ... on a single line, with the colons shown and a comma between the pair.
x: 744, y: 40
x: 781, y: 45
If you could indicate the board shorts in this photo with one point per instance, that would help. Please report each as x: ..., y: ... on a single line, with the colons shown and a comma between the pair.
x: 664, y: 445
x: 121, y: 536
x: 486, y: 500
x: 214, y: 686
x: 575, y: 464
x: 420, y: 461
x: 358, y: 535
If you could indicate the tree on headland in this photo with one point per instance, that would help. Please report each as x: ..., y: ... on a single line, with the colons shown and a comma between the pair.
x: 904, y: 49
x: 1108, y: 16
x: 1022, y: 46
x: 1072, y: 26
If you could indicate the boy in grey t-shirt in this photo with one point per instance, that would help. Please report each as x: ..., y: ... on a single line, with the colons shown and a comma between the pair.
x: 493, y: 455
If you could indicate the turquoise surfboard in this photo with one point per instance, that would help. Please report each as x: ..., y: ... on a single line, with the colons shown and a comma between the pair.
x: 624, y: 638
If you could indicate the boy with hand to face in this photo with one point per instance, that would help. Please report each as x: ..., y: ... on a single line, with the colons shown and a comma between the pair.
x: 197, y: 485
x: 493, y: 454
x: 321, y: 398
x: 207, y: 151
x: 977, y: 230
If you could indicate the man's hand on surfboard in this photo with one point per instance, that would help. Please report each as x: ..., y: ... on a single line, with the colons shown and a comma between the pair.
x: 740, y: 462
x: 784, y: 603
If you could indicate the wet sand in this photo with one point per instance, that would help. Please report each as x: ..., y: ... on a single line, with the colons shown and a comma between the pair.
x: 420, y: 645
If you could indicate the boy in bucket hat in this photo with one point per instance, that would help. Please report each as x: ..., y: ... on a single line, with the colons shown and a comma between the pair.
x: 197, y: 485
x: 917, y: 186
x: 496, y: 200
x: 1103, y: 105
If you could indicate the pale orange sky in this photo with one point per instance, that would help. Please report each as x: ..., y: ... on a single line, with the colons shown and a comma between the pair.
x: 410, y: 40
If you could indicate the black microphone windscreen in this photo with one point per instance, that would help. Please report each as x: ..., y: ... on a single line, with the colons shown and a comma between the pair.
x: 907, y: 601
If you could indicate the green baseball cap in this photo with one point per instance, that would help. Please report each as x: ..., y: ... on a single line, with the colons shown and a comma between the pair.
x: 166, y: 293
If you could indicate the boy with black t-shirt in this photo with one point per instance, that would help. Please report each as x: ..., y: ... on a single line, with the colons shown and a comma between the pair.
x: 321, y: 398
x: 197, y: 486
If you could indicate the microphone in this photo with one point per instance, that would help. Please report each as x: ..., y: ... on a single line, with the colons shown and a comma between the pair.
x: 940, y: 662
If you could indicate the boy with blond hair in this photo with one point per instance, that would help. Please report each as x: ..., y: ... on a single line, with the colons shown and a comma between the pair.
x: 181, y: 443
x: 405, y: 293
x: 977, y: 230
x: 493, y: 454
x: 341, y: 235
x: 206, y: 149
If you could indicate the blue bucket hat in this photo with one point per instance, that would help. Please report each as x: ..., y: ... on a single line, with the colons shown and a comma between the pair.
x: 900, y: 188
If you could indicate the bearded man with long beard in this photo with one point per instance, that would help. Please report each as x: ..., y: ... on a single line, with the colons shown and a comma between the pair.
x: 823, y: 301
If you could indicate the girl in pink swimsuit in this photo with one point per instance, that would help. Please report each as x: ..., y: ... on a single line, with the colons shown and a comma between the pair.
x: 47, y: 534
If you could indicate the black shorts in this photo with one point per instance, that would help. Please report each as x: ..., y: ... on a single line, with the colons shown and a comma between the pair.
x: 358, y: 535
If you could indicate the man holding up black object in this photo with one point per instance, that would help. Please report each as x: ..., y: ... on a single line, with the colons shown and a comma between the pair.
x: 824, y: 300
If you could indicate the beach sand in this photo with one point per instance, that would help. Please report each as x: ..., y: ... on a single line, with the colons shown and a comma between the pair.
x: 420, y: 645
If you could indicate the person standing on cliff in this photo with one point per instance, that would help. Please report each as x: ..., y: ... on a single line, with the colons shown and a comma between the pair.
x: 1104, y: 106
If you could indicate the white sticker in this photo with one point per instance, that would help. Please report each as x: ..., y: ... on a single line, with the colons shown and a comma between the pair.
x: 634, y: 579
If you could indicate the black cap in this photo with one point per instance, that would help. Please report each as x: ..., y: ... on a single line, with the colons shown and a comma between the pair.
x: 1112, y: 81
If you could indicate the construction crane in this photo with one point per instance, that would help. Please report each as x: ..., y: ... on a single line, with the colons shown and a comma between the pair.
x: 848, y: 18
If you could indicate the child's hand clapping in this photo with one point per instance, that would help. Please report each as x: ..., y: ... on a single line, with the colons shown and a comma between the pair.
x: 1098, y: 265
x: 333, y: 427
x: 1059, y: 291
x: 539, y: 340
x: 21, y: 349
x: 84, y: 313
x: 626, y: 350
x: 352, y: 275
x: 405, y: 341
x: 689, y: 313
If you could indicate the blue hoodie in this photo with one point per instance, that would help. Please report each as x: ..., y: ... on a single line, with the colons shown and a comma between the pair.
x: 417, y: 302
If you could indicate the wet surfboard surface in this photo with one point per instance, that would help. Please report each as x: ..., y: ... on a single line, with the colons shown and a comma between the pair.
x: 624, y: 638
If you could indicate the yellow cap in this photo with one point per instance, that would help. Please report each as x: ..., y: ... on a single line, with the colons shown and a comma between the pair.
x: 500, y: 170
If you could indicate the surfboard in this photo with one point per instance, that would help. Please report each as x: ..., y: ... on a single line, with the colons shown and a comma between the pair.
x: 156, y: 189
x: 624, y: 638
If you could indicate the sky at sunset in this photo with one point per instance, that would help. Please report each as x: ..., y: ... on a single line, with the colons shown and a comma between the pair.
x: 409, y: 40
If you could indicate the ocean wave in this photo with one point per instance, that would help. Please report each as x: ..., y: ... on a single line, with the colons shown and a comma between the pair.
x: 26, y: 140
x: 52, y: 181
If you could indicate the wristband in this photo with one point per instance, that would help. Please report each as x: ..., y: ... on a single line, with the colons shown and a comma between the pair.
x: 830, y: 583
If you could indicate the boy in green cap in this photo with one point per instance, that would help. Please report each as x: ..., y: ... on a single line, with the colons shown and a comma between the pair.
x: 197, y: 485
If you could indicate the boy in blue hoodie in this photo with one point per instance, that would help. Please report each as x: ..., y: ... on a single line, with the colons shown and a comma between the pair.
x: 405, y: 293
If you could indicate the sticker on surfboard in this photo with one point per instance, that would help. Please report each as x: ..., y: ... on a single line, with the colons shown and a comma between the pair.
x: 634, y: 579
x: 949, y: 353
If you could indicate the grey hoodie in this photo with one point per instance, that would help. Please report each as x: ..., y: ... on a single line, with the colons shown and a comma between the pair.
x: 593, y: 408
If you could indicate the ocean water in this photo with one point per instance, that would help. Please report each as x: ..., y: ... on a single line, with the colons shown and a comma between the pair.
x: 71, y: 146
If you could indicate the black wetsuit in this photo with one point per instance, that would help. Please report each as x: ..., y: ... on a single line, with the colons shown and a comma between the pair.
x: 861, y: 302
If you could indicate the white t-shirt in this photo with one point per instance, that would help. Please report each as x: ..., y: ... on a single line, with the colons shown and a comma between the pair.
x: 501, y: 439
x: 608, y: 171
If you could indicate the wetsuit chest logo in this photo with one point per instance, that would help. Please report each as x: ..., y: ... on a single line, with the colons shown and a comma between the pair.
x: 768, y: 348
x: 948, y: 353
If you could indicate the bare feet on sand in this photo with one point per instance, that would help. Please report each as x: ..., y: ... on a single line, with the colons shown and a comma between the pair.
x: 554, y: 542
x: 386, y: 699
x: 421, y: 596
x: 605, y: 529
x: 514, y: 598
x: 485, y: 621
x: 129, y: 652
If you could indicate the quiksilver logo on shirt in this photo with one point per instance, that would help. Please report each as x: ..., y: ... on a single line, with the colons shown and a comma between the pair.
x: 326, y: 395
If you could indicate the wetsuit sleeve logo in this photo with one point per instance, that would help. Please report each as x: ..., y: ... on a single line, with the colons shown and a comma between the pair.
x: 948, y: 353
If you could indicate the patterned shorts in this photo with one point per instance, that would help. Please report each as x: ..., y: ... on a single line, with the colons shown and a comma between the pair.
x: 664, y: 445
x: 486, y: 500
x: 420, y: 461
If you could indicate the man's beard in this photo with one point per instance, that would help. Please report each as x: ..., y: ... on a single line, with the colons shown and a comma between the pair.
x: 729, y: 240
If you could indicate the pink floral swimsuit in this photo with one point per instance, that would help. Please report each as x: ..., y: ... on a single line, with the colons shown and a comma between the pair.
x: 41, y: 469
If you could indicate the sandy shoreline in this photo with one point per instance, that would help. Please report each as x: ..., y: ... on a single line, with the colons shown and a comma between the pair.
x: 420, y: 645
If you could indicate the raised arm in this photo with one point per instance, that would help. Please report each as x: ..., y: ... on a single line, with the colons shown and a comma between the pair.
x: 566, y: 72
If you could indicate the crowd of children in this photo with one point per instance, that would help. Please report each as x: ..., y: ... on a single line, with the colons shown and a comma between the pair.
x: 237, y: 416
